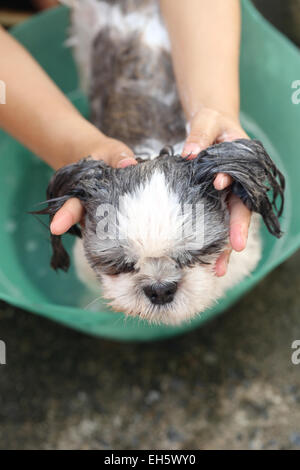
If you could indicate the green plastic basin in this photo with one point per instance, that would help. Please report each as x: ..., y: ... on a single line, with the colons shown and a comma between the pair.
x: 269, y: 65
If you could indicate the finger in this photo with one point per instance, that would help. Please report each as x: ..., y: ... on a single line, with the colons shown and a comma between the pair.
x: 123, y: 157
x: 69, y: 214
x: 222, y: 263
x: 222, y: 181
x: 115, y: 154
x: 125, y: 162
x: 239, y: 223
x: 204, y: 132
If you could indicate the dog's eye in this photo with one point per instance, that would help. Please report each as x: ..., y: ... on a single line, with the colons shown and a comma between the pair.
x: 114, y: 268
x: 191, y: 258
x: 197, y: 258
x: 125, y: 268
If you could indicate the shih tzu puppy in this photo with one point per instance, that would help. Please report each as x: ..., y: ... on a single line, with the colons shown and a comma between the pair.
x: 152, y: 232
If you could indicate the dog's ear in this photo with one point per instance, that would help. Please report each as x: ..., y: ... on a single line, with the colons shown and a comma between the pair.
x: 76, y: 180
x: 256, y: 179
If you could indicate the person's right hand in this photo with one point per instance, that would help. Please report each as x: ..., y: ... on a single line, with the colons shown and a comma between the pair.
x: 209, y: 126
x: 115, y: 154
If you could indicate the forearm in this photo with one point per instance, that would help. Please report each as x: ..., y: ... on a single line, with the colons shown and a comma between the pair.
x: 205, y: 38
x: 37, y: 113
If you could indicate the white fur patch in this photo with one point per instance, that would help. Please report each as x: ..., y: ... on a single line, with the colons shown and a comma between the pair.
x: 89, y: 17
x: 150, y: 218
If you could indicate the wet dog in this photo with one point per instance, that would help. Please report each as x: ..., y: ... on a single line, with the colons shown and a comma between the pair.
x: 152, y: 232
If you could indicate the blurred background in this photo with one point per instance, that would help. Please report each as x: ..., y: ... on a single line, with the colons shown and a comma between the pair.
x: 284, y: 14
x: 15, y: 11
x: 230, y: 384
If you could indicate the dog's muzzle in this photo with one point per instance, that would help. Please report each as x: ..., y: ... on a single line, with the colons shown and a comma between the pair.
x: 160, y: 294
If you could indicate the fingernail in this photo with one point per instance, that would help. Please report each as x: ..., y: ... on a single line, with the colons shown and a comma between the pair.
x: 191, y: 149
x: 225, y: 264
x: 222, y: 182
x: 58, y: 217
x: 126, y: 162
x: 242, y: 240
x: 53, y: 226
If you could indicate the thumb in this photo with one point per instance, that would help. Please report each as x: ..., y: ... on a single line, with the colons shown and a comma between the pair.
x: 115, y: 154
x: 122, y: 156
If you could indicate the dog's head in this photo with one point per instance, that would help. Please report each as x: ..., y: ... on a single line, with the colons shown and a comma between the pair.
x: 153, y: 231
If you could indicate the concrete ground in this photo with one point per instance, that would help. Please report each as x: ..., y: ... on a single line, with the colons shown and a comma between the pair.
x: 230, y: 384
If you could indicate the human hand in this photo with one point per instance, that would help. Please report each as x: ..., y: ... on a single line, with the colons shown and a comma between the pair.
x: 210, y: 127
x: 115, y: 154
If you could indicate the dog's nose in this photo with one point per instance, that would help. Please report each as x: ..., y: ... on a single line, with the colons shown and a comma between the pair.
x: 161, y: 294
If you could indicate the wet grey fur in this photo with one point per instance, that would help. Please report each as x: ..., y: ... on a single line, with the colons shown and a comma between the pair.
x: 134, y: 99
x: 257, y: 182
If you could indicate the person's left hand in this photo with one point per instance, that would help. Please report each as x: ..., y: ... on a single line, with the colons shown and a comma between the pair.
x: 210, y: 127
